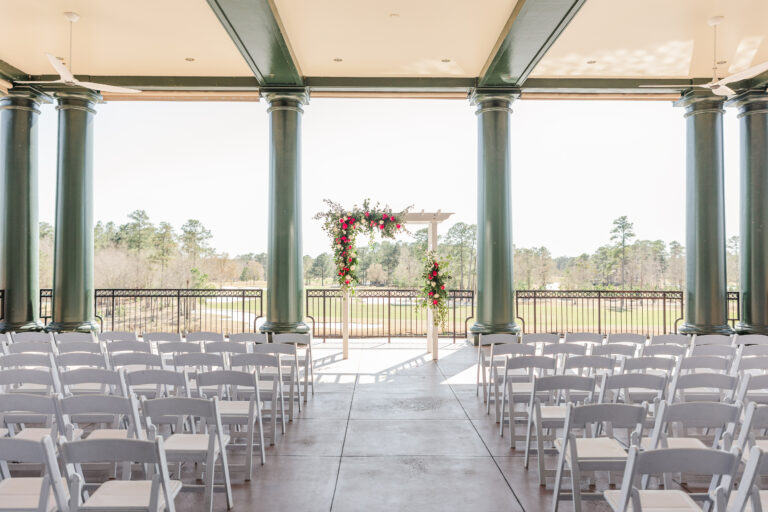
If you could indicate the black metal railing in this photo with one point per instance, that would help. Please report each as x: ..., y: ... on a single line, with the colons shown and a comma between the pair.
x: 178, y: 310
x: 384, y: 313
x: 560, y: 311
x: 2, y: 304
x: 734, y: 308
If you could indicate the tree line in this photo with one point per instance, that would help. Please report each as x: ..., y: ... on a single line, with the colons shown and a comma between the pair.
x: 141, y: 254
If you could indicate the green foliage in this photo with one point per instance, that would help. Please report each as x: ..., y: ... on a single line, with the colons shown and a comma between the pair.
x: 434, y: 292
x: 195, y: 239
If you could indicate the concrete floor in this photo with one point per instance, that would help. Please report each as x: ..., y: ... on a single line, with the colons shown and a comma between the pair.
x: 389, y: 430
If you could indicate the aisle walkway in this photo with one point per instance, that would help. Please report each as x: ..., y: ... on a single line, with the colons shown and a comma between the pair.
x: 388, y: 430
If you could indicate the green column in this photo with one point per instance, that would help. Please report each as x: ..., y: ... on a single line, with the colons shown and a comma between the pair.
x: 706, y: 309
x: 285, y: 276
x: 19, y: 254
x: 495, y: 288
x: 73, y: 293
x: 753, y: 120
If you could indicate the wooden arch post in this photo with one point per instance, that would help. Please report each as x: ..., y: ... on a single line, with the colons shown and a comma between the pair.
x: 431, y: 219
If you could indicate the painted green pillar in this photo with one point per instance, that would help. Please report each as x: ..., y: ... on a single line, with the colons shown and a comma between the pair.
x: 73, y: 292
x: 285, y: 275
x: 19, y: 232
x: 706, y: 307
x: 495, y: 286
x: 753, y: 120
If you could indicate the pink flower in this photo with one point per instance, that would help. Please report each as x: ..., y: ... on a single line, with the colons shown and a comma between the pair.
x: 347, y: 281
x: 343, y: 226
x: 442, y: 287
x: 434, y: 301
x: 398, y: 226
x: 431, y: 293
x: 381, y: 226
x: 384, y: 216
x: 392, y: 218
x: 367, y: 214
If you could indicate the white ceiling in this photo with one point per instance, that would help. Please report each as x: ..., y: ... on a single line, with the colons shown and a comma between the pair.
x: 373, y: 43
x: 658, y: 38
x: 119, y: 38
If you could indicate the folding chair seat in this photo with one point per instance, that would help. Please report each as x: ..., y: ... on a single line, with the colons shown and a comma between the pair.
x: 155, y: 493
x: 722, y: 465
x: 550, y: 413
x: 268, y: 372
x: 592, y: 451
x: 517, y: 387
x: 497, y: 361
x: 304, y: 362
x: 33, y: 494
x: 235, y: 412
x: 486, y: 342
x: 204, y: 448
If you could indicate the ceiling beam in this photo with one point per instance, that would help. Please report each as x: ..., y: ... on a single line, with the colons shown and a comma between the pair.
x: 610, y: 85
x: 532, y: 28
x: 10, y: 73
x: 255, y: 28
x: 389, y: 84
x: 170, y: 83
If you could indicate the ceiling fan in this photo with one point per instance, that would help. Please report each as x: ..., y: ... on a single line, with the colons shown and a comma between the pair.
x: 66, y: 75
x: 720, y: 86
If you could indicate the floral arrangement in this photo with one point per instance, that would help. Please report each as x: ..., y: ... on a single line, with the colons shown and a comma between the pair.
x: 343, y: 226
x: 433, y: 294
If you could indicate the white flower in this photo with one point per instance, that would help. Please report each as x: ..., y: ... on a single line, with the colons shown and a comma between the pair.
x: 436, y: 296
x: 432, y: 283
x: 352, y: 268
x: 381, y: 222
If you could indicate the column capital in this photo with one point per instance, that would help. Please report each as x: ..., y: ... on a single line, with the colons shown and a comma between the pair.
x: 493, y: 99
x: 77, y: 99
x: 750, y: 102
x: 24, y: 98
x: 698, y: 101
x: 286, y: 98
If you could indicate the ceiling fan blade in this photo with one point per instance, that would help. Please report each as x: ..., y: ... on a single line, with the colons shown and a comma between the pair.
x: 107, y: 88
x: 723, y: 91
x: 743, y: 75
x: 38, y: 81
x: 60, y: 68
x: 669, y: 86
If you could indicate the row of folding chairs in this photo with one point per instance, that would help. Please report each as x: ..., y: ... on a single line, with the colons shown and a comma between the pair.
x: 589, y: 444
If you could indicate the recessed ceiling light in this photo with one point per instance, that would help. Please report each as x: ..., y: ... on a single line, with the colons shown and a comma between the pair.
x: 720, y: 62
x: 591, y: 62
x: 337, y: 59
x: 394, y: 15
x: 189, y: 59
x: 60, y: 58
x: 445, y: 60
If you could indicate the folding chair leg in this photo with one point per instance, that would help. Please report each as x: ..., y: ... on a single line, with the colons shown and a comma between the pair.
x: 227, y: 480
x: 210, y: 467
x: 261, y: 440
x: 528, y: 441
x: 249, y: 456
x: 540, y: 455
x: 558, y: 480
x: 576, y: 487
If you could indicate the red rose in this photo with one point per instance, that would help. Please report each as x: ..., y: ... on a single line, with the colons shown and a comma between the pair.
x: 392, y: 218
x: 434, y: 301
x: 366, y: 214
x: 384, y: 216
x: 429, y: 277
x: 381, y: 226
x: 436, y: 264
x: 347, y: 281
x: 398, y: 226
x: 442, y: 287
x: 343, y: 226
x: 352, y: 219
x: 350, y: 260
x: 431, y: 293
x: 434, y: 273
x: 341, y: 220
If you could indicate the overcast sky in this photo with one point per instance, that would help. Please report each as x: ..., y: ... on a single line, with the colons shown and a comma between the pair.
x: 576, y: 166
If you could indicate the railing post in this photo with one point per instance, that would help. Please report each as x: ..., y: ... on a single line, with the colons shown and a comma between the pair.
x: 345, y: 323
x: 664, y: 311
x: 243, y: 323
x: 535, y: 318
x: 178, y: 310
x: 389, y: 316
x: 599, y: 312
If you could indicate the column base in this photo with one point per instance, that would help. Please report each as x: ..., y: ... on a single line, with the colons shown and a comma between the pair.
x: 481, y: 328
x: 35, y: 325
x: 705, y: 329
x: 743, y: 328
x: 89, y: 326
x: 279, y: 327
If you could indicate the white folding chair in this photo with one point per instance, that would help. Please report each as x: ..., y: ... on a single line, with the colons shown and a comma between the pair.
x: 497, y: 360
x: 41, y: 381
x: 562, y: 352
x: 753, y: 428
x: 635, y: 388
x: 704, y: 387
x: 712, y: 339
x: 31, y: 336
x: 722, y: 465
x: 487, y: 341
x: 249, y: 337
x: 539, y: 338
x: 665, y: 350
x: 268, y: 373
x: 671, y: 339
x: 158, y: 383
x: 593, y: 451
x: 300, y: 340
x: 155, y: 493
x: 41, y: 347
x: 80, y: 337
x: 748, y: 496
x: 549, y: 413
x: 113, y: 336
x: 93, y: 381
x: 117, y: 417
x: 289, y: 371
x: 204, y: 448
x: 161, y: 337
x: 638, y: 340
x: 204, y: 336
x: 18, y: 411
x: 753, y: 388
x: 587, y: 338
x: 127, y: 346
x: 517, y: 386
x: 31, y: 494
x: 237, y: 413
